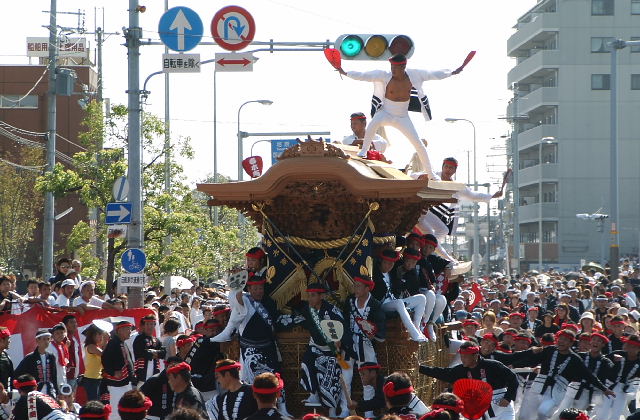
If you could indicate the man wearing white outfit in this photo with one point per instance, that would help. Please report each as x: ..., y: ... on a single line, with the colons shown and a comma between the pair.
x: 359, y: 126
x: 395, y: 93
x: 442, y: 220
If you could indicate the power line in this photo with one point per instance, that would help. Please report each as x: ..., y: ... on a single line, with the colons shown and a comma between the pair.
x: 26, y: 168
x: 30, y: 90
x: 30, y: 143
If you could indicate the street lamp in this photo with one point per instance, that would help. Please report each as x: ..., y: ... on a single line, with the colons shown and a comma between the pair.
x: 615, y: 45
x: 543, y: 141
x: 241, y: 134
x: 476, y: 232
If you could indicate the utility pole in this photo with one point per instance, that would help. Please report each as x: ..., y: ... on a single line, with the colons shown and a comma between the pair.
x: 135, y: 231
x: 49, y: 202
x: 167, y: 160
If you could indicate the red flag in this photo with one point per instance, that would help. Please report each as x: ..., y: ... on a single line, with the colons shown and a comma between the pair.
x: 253, y: 166
x: 476, y: 296
x: 23, y: 327
x: 333, y: 56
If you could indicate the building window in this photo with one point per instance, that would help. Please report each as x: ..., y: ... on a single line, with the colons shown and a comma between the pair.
x: 600, y: 44
x: 602, y: 7
x: 635, y: 7
x: 635, y: 82
x: 19, y: 101
x: 635, y: 48
x: 600, y: 81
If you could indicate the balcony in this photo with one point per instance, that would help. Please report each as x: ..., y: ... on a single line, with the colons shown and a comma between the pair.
x: 534, y: 31
x: 531, y: 175
x: 541, y: 58
x: 531, y: 212
x: 532, y: 136
x: 540, y: 96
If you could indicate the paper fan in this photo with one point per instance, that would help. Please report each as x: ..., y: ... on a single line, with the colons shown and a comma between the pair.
x: 476, y: 395
x: 333, y: 56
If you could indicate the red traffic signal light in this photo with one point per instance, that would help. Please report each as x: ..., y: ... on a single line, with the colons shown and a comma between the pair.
x: 373, y: 46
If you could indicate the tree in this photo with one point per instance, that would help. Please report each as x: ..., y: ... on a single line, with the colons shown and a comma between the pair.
x: 198, y: 249
x: 19, y: 206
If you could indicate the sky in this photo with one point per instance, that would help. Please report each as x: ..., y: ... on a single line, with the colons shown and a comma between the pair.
x: 307, y: 94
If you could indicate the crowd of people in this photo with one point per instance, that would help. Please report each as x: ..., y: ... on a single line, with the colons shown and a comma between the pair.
x: 548, y: 344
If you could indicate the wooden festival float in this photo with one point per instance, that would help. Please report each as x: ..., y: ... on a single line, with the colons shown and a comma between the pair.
x: 323, y: 211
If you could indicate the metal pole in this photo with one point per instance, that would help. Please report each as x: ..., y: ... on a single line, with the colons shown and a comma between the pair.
x: 613, y: 187
x: 167, y: 161
x: 469, y: 250
x: 476, y: 232
x: 216, y: 210
x: 134, y: 237
x: 516, y: 187
x: 540, y: 208
x: 94, y: 211
x: 239, y: 134
x: 49, y: 202
x: 488, y: 231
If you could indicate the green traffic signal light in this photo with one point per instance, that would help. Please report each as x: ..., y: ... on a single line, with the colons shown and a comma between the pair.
x: 351, y: 45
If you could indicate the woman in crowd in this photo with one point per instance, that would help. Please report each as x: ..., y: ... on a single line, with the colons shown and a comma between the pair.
x: 489, y: 325
x: 95, y: 341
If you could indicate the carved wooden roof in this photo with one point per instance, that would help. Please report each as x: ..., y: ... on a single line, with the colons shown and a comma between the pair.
x: 321, y: 191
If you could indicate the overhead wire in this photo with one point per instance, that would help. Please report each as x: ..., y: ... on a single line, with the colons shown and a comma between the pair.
x: 24, y: 167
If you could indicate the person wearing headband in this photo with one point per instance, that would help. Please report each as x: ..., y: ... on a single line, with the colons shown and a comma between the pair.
x: 34, y: 405
x: 358, y: 126
x: 559, y: 365
x: 266, y: 390
x: 94, y: 410
x: 450, y: 403
x: 372, y: 395
x: 6, y: 365
x: 185, y: 395
x: 203, y: 356
x: 147, y: 349
x: 400, y: 397
x: 320, y: 375
x: 437, y: 283
x: 442, y: 220
x: 117, y: 362
x: 157, y: 389
x: 41, y: 364
x: 367, y: 324
x: 134, y: 405
x: 582, y: 395
x: 238, y: 401
x: 256, y: 267
x: 616, y: 342
x: 626, y: 380
x: 501, y: 378
x: 59, y: 348
x: 395, y: 94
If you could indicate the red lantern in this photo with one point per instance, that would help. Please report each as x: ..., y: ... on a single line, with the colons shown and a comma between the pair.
x: 253, y: 166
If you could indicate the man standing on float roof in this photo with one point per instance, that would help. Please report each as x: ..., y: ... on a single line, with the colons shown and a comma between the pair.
x: 395, y: 93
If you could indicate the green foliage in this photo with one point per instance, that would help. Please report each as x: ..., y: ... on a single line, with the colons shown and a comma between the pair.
x: 101, y: 287
x: 19, y: 205
x: 198, y: 248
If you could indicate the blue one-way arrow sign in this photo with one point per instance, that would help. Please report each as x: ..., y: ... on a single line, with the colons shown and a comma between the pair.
x: 180, y: 28
x: 118, y: 213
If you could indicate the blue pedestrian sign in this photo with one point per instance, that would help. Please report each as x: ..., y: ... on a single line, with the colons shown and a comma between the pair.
x: 180, y: 29
x: 118, y: 213
x: 133, y: 260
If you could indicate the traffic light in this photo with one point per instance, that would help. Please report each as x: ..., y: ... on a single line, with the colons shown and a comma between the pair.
x: 373, y: 46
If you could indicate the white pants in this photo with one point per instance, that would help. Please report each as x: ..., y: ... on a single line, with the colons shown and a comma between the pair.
x: 115, y: 393
x: 396, y: 115
x: 541, y: 406
x: 582, y: 403
x: 615, y: 408
x: 434, y: 307
x: 501, y: 413
x: 430, y: 223
x: 417, y: 303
